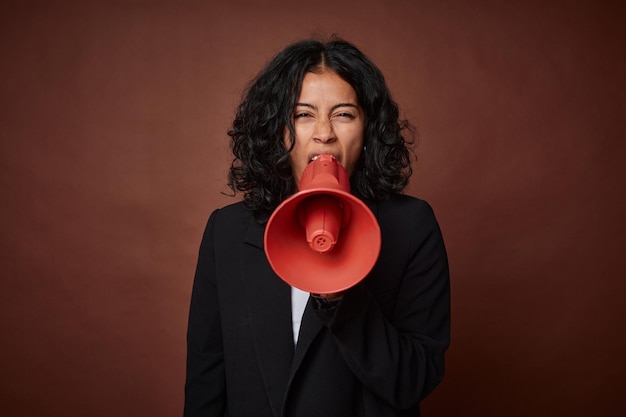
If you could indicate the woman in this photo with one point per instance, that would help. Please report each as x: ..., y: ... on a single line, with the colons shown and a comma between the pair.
x: 256, y: 346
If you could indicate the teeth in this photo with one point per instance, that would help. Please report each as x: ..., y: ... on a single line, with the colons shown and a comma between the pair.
x: 317, y: 156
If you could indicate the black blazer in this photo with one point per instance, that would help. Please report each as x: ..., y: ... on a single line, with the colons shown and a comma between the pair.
x: 378, y: 353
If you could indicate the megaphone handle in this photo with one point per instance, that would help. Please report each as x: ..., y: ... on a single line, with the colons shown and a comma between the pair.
x: 326, y: 301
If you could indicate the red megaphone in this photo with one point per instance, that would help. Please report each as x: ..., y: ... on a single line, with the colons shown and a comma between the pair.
x: 322, y: 240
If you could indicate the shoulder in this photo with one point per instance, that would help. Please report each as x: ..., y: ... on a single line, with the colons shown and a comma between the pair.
x: 406, y: 218
x: 409, y: 228
x: 235, y: 212
x: 402, y: 207
x: 228, y: 219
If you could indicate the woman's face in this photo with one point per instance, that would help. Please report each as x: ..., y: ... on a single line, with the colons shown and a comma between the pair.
x: 327, y: 119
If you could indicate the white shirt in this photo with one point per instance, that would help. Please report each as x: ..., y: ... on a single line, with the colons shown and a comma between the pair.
x: 299, y: 299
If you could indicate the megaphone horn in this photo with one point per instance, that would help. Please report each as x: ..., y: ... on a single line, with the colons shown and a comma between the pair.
x: 322, y: 239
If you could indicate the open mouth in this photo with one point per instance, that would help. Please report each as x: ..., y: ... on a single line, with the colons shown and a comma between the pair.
x: 315, y: 157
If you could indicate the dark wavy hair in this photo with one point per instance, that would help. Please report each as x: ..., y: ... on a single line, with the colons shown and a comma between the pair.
x: 261, y: 169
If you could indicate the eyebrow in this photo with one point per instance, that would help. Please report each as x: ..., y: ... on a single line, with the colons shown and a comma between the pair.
x: 311, y: 106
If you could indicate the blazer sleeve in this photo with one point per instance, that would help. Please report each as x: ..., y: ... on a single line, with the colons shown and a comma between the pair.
x: 205, y: 384
x: 399, y: 356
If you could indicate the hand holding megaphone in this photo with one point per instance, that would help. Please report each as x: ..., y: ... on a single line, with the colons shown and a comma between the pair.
x: 322, y: 240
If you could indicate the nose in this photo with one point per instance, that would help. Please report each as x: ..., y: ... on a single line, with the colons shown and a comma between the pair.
x: 324, y: 132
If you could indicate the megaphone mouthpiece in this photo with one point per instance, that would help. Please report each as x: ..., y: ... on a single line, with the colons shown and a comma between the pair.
x: 325, y: 172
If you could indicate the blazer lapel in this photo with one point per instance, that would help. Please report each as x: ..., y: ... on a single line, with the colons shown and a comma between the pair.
x: 268, y: 301
x: 309, y: 329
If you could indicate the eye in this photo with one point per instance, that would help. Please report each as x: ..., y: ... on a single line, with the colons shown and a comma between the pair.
x: 304, y: 117
x: 344, y: 115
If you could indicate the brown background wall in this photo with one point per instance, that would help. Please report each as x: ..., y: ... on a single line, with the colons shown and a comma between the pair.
x: 113, y: 153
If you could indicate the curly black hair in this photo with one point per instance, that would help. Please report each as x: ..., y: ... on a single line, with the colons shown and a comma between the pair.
x: 261, y: 169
